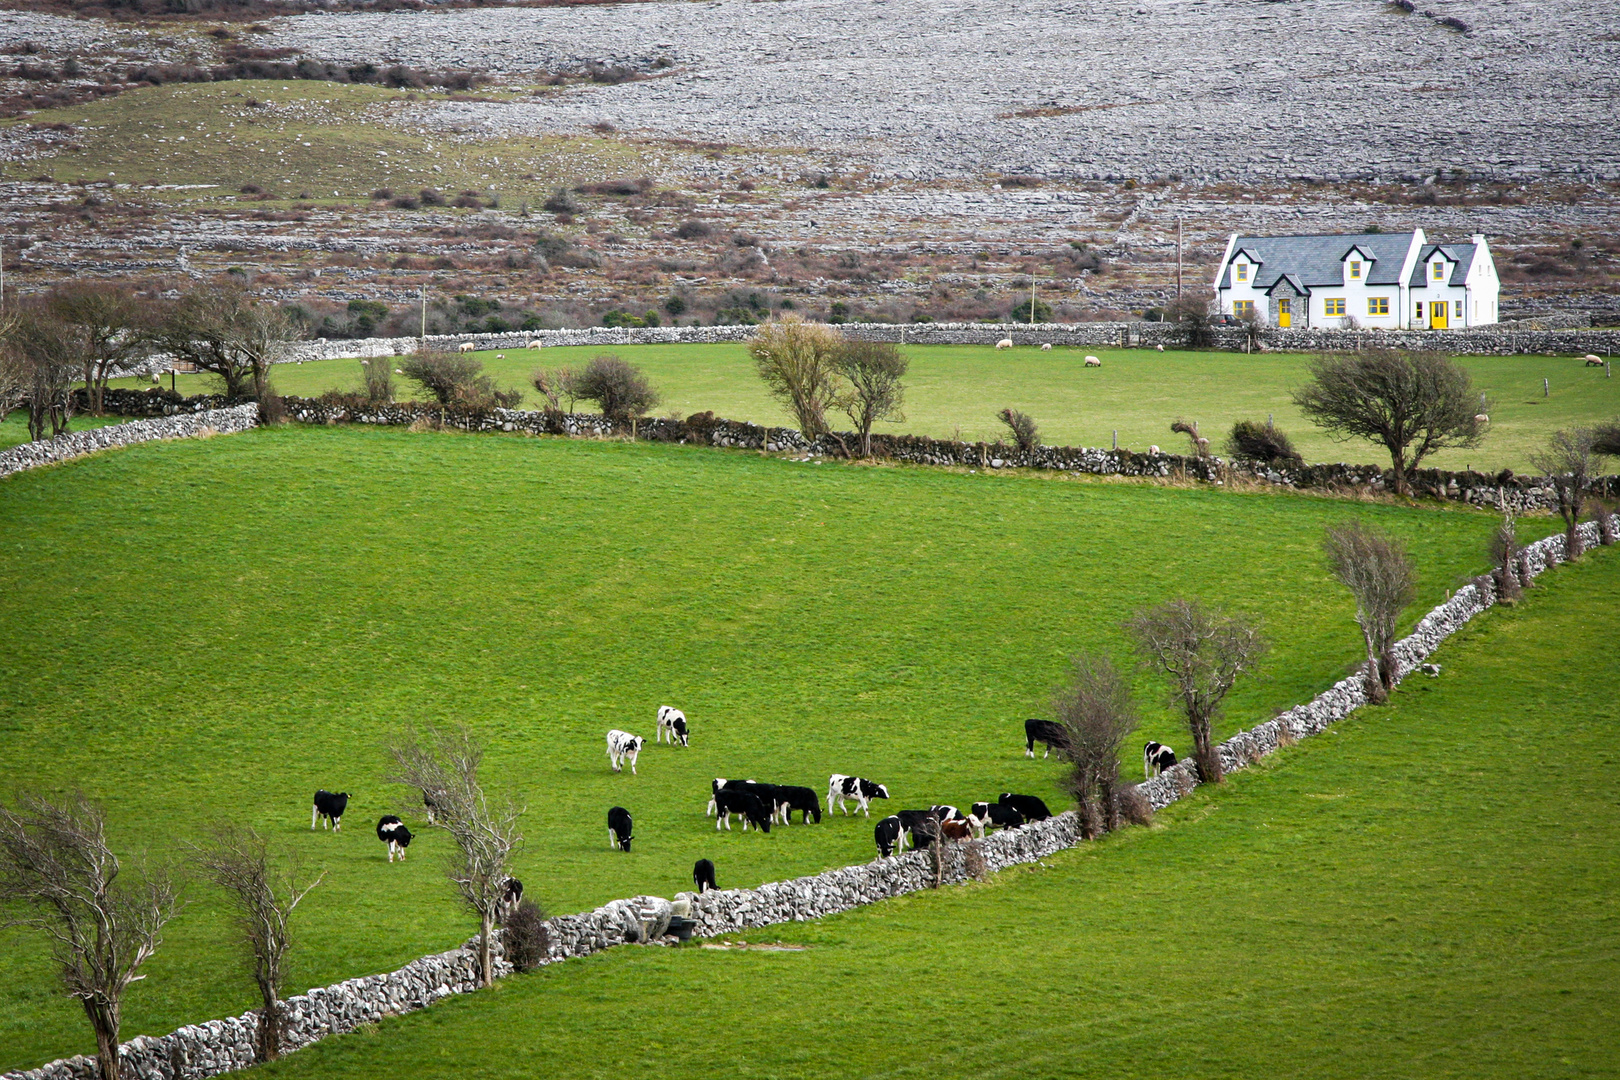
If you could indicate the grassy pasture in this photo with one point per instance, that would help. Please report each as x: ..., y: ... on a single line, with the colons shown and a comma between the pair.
x: 1138, y: 392
x: 14, y: 428
x: 217, y: 627
x: 1426, y: 891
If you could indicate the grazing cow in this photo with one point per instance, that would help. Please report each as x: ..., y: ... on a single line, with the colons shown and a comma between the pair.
x: 767, y: 794
x: 1032, y: 808
x: 956, y: 830
x: 1593, y: 360
x: 329, y: 807
x: 994, y: 815
x: 1004, y: 343
x: 922, y: 825
x: 1431, y: 670
x: 1156, y: 757
x: 718, y: 783
x: 703, y: 876
x: 751, y: 807
x: 948, y: 813
x: 887, y: 835
x: 1043, y: 731
x: 623, y: 746
x: 1092, y: 361
x: 392, y: 831
x: 619, y: 826
x: 802, y: 799
x: 861, y: 792
x: 671, y: 722
x: 511, y: 897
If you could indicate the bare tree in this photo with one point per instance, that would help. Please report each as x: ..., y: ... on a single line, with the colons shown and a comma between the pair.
x: 1095, y: 709
x: 1411, y: 403
x: 109, y: 319
x: 554, y: 385
x: 1189, y: 428
x: 872, y: 371
x: 45, y: 355
x: 13, y: 377
x: 1026, y: 435
x: 237, y: 859
x: 1203, y: 651
x: 222, y: 330
x: 1376, y: 569
x: 1192, y: 314
x: 56, y: 865
x: 1570, y: 464
x: 1504, y: 550
x: 446, y: 763
x: 797, y: 361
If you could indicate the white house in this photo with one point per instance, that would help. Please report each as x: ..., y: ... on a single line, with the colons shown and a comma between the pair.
x: 1398, y: 281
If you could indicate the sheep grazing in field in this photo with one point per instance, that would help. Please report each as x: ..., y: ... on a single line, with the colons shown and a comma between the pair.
x: 1593, y: 361
x: 535, y: 345
x: 1153, y: 450
x: 466, y: 346
x: 1092, y: 361
x: 1482, y: 418
x: 1004, y: 343
x: 500, y: 356
x: 1159, y: 348
x: 1046, y: 347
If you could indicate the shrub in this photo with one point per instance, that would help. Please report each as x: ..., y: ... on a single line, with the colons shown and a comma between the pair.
x: 383, y: 194
x: 675, y: 305
x: 1094, y: 707
x: 1131, y: 806
x: 562, y: 201
x: 1603, y: 514
x: 1504, y: 551
x: 430, y: 197
x: 1022, y: 426
x: 456, y: 379
x: 618, y: 386
x: 1251, y: 441
x: 1606, y: 439
x: 378, y: 376
x: 525, y: 937
x: 693, y: 229
x: 1020, y: 311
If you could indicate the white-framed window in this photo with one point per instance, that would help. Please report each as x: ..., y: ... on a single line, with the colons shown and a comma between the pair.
x: 1243, y: 271
x: 1355, y: 269
x: 1333, y: 305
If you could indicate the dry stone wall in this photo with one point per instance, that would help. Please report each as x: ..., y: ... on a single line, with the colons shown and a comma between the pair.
x: 219, y: 1046
x: 76, y: 444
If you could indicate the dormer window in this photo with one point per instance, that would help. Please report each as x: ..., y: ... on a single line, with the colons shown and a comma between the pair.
x: 1355, y: 270
x: 1243, y: 271
x: 1439, y: 271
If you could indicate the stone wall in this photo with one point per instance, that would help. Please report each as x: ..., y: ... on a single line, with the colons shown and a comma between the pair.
x: 75, y: 444
x: 220, y: 1046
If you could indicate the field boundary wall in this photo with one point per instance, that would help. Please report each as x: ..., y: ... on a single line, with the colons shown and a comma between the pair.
x: 214, y: 421
x: 219, y: 1046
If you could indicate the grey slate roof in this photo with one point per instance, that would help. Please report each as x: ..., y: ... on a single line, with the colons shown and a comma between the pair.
x: 1315, y: 260
x: 1463, y: 254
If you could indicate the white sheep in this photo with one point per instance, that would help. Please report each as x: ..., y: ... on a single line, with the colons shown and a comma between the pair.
x: 1004, y: 343
x: 500, y: 356
x: 1092, y: 361
x: 536, y: 345
x: 1593, y: 361
x: 1482, y: 418
x: 466, y: 346
x: 1153, y: 449
x: 1046, y: 347
x: 1160, y: 348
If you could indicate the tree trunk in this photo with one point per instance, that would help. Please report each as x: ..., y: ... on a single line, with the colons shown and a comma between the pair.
x: 104, y: 1020
x: 270, y: 1020
x: 1376, y: 680
x: 1398, y: 469
x: 1573, y: 545
x: 486, y: 965
x: 92, y: 395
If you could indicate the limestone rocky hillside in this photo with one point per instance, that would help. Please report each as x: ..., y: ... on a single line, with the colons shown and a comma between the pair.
x: 898, y: 158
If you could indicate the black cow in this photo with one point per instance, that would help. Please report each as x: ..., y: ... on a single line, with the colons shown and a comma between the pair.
x: 392, y: 831
x: 922, y: 825
x: 1032, y: 808
x: 619, y: 826
x: 511, y: 898
x: 841, y: 787
x: 802, y: 799
x: 948, y: 813
x: 994, y: 815
x: 721, y: 782
x: 1156, y: 757
x: 329, y: 806
x: 751, y: 807
x: 1043, y: 731
x: 703, y: 875
x: 767, y: 794
x: 887, y: 835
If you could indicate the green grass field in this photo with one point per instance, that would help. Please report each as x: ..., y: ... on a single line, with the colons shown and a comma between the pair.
x: 14, y: 428
x: 1137, y: 392
x: 216, y: 627
x: 1427, y: 890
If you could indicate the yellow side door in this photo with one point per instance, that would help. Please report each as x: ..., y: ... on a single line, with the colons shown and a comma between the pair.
x: 1285, y: 313
x: 1437, y: 315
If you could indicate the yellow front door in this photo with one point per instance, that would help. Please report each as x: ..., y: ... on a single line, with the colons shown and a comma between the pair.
x: 1285, y: 313
x: 1437, y: 315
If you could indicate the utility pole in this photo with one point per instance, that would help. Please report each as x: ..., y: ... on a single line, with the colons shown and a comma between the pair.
x: 423, y: 292
x: 1032, y: 300
x: 1178, y: 258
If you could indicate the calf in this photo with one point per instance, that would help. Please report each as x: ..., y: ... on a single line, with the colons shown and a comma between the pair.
x: 619, y: 825
x: 1156, y: 757
x: 861, y: 792
x: 802, y: 799
x: 511, y: 897
x: 329, y: 807
x: 751, y: 807
x: 994, y: 816
x: 392, y: 831
x: 887, y: 835
x: 956, y: 830
x: 623, y: 746
x: 922, y: 825
x: 1043, y: 731
x: 671, y: 722
x: 703, y: 876
x: 1029, y: 806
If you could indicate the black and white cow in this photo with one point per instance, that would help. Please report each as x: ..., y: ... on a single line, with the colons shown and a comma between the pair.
x: 703, y: 876
x: 1029, y: 806
x: 1156, y: 757
x: 802, y: 799
x: 921, y: 825
x: 716, y: 785
x: 671, y: 722
x: 858, y: 791
x: 769, y: 797
x: 1043, y: 731
x: 392, y: 831
x: 887, y: 835
x: 511, y: 897
x: 619, y: 826
x: 948, y: 813
x: 329, y: 807
x: 750, y: 807
x: 994, y: 816
x: 623, y: 746
x: 430, y: 804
